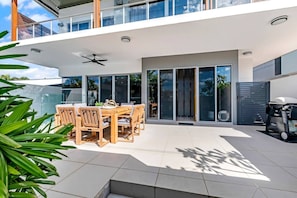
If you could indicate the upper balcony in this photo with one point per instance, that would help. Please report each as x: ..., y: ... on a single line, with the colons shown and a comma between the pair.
x: 121, y: 13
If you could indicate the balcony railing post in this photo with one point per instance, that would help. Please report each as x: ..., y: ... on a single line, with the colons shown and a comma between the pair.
x: 173, y: 7
x: 101, y: 18
x: 124, y: 14
x: 70, y: 23
x: 33, y: 31
x: 147, y: 5
x: 92, y: 21
x: 51, y: 27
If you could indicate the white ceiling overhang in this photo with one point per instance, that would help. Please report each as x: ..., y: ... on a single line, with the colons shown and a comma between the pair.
x: 242, y: 28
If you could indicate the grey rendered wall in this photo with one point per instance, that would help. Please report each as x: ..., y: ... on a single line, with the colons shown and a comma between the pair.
x: 283, y: 87
x: 193, y: 60
x: 264, y: 72
x: 289, y: 63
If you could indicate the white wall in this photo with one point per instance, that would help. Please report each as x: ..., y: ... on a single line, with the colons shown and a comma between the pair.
x: 285, y: 86
x: 245, y: 68
x: 289, y: 63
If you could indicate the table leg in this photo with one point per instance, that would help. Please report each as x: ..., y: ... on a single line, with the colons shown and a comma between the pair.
x: 114, y: 128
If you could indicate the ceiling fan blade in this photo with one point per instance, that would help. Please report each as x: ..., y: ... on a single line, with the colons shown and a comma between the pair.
x: 100, y: 63
x: 101, y: 60
x: 87, y: 61
x: 87, y: 58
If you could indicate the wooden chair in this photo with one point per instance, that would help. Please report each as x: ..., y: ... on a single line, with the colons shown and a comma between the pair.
x: 66, y: 115
x: 130, y: 123
x: 142, y: 117
x: 91, y: 120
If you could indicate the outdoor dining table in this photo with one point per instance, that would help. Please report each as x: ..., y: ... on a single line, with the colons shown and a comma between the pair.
x: 114, y: 112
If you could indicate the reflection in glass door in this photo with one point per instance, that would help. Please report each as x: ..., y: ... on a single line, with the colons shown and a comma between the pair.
x: 166, y: 94
x: 207, y: 94
x: 106, y: 88
x: 224, y: 93
x: 152, y: 93
x: 121, y: 89
x: 185, y: 94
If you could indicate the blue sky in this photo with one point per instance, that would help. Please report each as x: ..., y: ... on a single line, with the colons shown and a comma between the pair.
x: 34, y: 11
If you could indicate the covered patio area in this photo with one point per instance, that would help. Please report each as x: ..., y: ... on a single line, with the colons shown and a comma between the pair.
x: 181, y: 161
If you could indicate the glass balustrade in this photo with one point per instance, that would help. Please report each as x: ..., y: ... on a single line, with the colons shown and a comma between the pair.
x: 121, y: 14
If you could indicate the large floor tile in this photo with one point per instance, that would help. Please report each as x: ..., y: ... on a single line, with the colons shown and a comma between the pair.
x: 136, y: 177
x: 220, y: 189
x: 109, y: 159
x: 196, y: 186
x: 86, y: 181
x: 271, y: 193
x: 65, y: 168
x: 275, y: 177
x: 181, y: 173
x: 54, y: 194
x: 82, y: 156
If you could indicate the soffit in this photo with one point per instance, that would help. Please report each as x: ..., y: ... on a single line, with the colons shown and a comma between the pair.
x: 55, y: 5
x: 176, y: 36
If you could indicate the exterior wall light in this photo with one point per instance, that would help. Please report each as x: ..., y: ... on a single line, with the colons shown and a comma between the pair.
x: 279, y: 20
x: 35, y: 50
x: 125, y: 39
x: 247, y: 53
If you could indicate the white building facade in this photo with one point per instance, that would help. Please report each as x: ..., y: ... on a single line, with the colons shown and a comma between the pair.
x: 182, y: 58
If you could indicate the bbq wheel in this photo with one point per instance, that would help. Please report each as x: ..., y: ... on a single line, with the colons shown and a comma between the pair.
x: 284, y: 136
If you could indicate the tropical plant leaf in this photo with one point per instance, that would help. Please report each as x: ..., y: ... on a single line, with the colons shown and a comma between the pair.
x: 25, y: 184
x: 8, y: 56
x: 8, y: 141
x: 5, y: 129
x: 5, y: 47
x: 3, y: 33
x: 36, y: 136
x: 41, y: 145
x: 21, y: 195
x: 3, y: 190
x: 51, y: 168
x: 47, y: 182
x: 39, y: 153
x: 12, y: 170
x: 12, y: 66
x: 24, y: 163
x: 3, y: 170
x: 40, y: 191
x: 18, y: 112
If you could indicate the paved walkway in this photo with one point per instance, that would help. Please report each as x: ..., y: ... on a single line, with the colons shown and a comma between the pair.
x: 182, y: 161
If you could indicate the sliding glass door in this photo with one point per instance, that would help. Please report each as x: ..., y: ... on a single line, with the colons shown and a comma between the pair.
x: 185, y: 94
x: 207, y: 94
x: 166, y: 94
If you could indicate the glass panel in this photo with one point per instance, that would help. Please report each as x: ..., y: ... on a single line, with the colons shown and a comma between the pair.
x: 152, y: 82
x: 71, y: 82
x: 106, y: 88
x: 224, y: 93
x: 206, y: 94
x: 166, y: 94
x: 157, y: 9
x: 135, y: 88
x: 121, y: 89
x: 180, y: 6
x: 226, y: 3
x: 136, y: 13
x: 112, y: 16
x: 70, y: 96
x: 185, y: 94
x: 92, y: 95
x: 42, y: 29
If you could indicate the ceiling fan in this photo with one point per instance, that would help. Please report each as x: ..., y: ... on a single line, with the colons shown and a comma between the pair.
x: 94, y: 59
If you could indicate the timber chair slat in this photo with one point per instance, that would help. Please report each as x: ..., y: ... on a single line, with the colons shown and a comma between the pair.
x: 66, y: 115
x: 91, y: 120
x: 128, y: 124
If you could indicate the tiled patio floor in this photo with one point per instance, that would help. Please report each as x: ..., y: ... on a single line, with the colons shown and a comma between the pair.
x: 182, y: 161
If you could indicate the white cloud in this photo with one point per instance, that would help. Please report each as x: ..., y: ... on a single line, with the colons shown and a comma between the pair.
x: 32, y: 5
x: 34, y: 72
x: 5, y: 2
x: 8, y: 18
x: 39, y: 17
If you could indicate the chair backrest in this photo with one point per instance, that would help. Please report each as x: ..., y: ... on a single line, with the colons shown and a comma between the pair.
x: 90, y: 116
x: 67, y: 114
